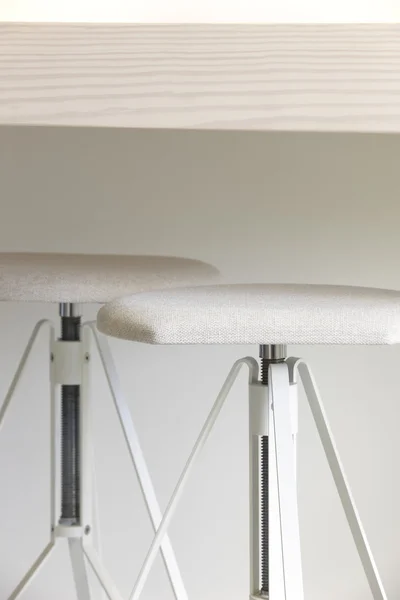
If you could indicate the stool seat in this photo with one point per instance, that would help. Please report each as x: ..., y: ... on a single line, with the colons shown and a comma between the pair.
x: 256, y: 314
x: 79, y: 278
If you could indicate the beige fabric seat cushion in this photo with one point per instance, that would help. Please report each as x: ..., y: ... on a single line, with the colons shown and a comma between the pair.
x: 31, y: 277
x: 256, y: 314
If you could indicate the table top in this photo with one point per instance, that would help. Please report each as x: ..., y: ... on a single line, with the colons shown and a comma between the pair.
x: 335, y: 78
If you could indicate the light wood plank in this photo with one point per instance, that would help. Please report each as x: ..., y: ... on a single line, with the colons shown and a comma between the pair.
x: 246, y: 77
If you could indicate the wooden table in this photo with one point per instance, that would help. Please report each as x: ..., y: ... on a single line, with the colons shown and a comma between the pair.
x: 310, y: 77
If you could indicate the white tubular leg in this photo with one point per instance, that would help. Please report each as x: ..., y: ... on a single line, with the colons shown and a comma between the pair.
x: 280, y: 425
x: 102, y: 575
x: 339, y: 477
x: 33, y: 571
x: 21, y: 367
x: 96, y: 535
x: 79, y: 569
x: 201, y: 440
x: 139, y: 463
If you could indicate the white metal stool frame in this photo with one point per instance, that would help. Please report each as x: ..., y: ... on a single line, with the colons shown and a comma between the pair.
x: 69, y: 364
x: 273, y: 412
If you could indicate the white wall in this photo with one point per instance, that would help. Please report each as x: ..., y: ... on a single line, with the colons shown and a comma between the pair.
x: 204, y: 11
x: 300, y: 208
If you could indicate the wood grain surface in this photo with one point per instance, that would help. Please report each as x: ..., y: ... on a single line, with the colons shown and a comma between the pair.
x: 243, y: 77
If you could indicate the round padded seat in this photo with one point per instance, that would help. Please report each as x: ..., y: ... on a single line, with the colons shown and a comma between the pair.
x: 256, y: 314
x: 78, y: 278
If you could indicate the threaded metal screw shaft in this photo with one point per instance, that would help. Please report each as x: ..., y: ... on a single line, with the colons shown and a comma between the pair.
x: 70, y: 434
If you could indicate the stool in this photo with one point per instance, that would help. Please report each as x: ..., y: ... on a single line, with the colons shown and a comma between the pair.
x: 270, y: 316
x: 71, y: 279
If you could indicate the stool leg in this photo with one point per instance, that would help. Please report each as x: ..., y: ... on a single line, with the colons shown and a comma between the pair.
x: 33, y: 571
x: 282, y: 472
x: 200, y: 442
x: 339, y: 477
x: 101, y: 573
x: 79, y: 569
x: 139, y: 463
x: 21, y: 366
x: 96, y: 537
